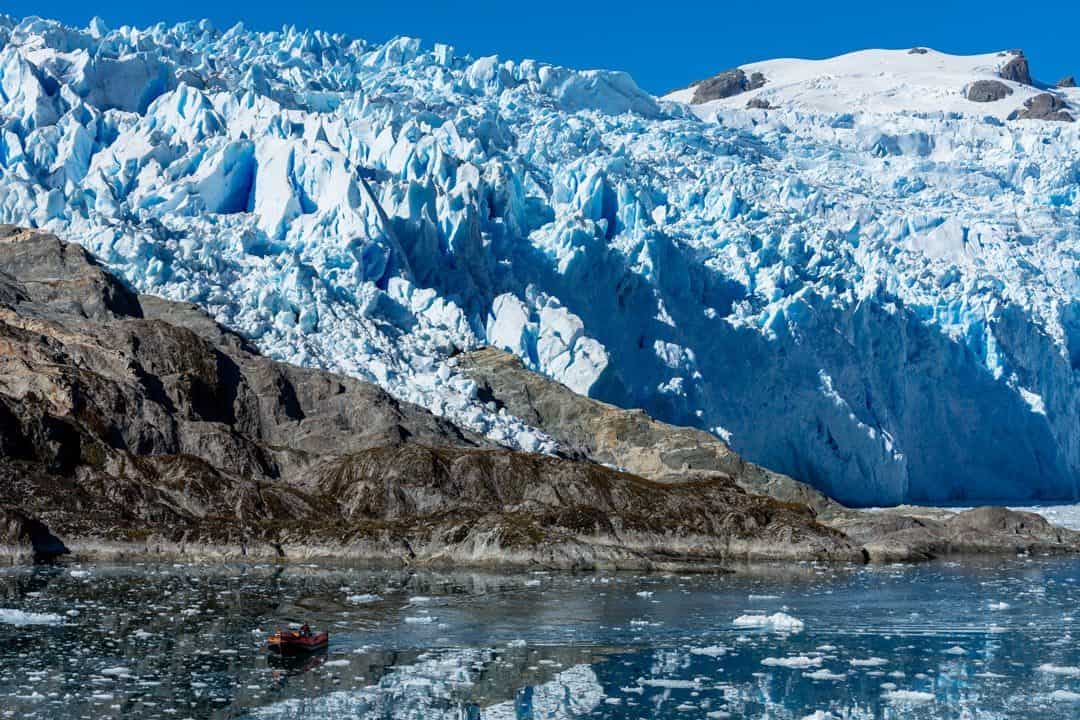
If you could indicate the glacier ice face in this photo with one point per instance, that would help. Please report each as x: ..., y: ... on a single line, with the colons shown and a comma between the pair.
x: 885, y: 304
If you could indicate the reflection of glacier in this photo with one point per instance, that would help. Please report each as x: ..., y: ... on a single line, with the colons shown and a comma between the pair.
x: 438, y: 686
x: 886, y: 306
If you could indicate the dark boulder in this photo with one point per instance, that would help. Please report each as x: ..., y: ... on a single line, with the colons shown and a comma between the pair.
x: 987, y: 91
x: 758, y: 103
x: 726, y: 84
x: 1067, y: 82
x: 917, y: 51
x: 1045, y: 106
x: 1016, y: 69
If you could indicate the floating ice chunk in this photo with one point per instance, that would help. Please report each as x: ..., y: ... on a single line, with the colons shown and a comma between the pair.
x: 777, y: 622
x: 907, y: 697
x: 421, y: 619
x: 795, y: 662
x: 363, y: 599
x: 999, y: 606
x: 20, y: 617
x: 825, y: 674
x: 669, y: 683
x: 868, y: 662
x: 1064, y: 670
x: 710, y: 651
x: 1065, y: 697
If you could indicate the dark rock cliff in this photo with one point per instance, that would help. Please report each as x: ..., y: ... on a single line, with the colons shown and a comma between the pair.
x: 134, y: 424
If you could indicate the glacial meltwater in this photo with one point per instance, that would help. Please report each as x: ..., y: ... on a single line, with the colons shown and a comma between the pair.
x: 977, y: 639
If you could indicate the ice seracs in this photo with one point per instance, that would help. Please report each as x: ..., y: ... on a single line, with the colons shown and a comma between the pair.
x: 871, y: 286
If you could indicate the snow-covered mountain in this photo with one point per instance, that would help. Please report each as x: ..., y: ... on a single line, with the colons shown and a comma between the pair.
x: 872, y: 286
x: 919, y: 80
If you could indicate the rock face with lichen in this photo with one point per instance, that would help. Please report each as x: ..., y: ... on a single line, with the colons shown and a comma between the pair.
x: 134, y: 424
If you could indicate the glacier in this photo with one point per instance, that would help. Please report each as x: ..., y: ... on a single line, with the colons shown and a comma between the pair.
x: 879, y: 298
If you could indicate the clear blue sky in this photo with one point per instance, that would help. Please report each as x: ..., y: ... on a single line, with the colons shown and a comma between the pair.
x: 664, y: 44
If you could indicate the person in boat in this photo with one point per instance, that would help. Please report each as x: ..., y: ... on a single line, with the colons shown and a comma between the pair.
x: 305, y: 631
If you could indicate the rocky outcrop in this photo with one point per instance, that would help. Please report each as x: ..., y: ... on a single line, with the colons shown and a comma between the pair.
x: 917, y: 51
x: 1016, y: 69
x: 664, y: 453
x: 726, y: 84
x: 131, y: 424
x: 1044, y: 106
x: 987, y: 91
x: 628, y: 439
x: 757, y: 103
x: 904, y: 534
x: 1067, y: 82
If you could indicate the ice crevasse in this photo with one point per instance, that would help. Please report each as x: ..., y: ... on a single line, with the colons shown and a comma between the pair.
x: 885, y: 305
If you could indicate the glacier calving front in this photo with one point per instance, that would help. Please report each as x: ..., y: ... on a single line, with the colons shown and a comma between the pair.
x: 883, y: 304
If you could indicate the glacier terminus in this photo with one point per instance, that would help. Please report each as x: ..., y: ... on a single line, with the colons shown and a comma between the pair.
x: 864, y: 277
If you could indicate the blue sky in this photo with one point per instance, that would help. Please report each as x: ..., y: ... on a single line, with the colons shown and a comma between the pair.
x: 664, y: 44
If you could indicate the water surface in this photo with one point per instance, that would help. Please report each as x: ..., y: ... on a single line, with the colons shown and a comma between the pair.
x: 980, y: 640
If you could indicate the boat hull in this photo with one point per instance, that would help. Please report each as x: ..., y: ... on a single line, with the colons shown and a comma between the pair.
x: 289, y: 642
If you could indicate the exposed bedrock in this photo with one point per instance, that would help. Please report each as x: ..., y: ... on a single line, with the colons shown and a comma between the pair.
x: 130, y: 423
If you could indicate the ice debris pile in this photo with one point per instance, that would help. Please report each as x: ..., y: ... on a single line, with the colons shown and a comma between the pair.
x: 884, y: 304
